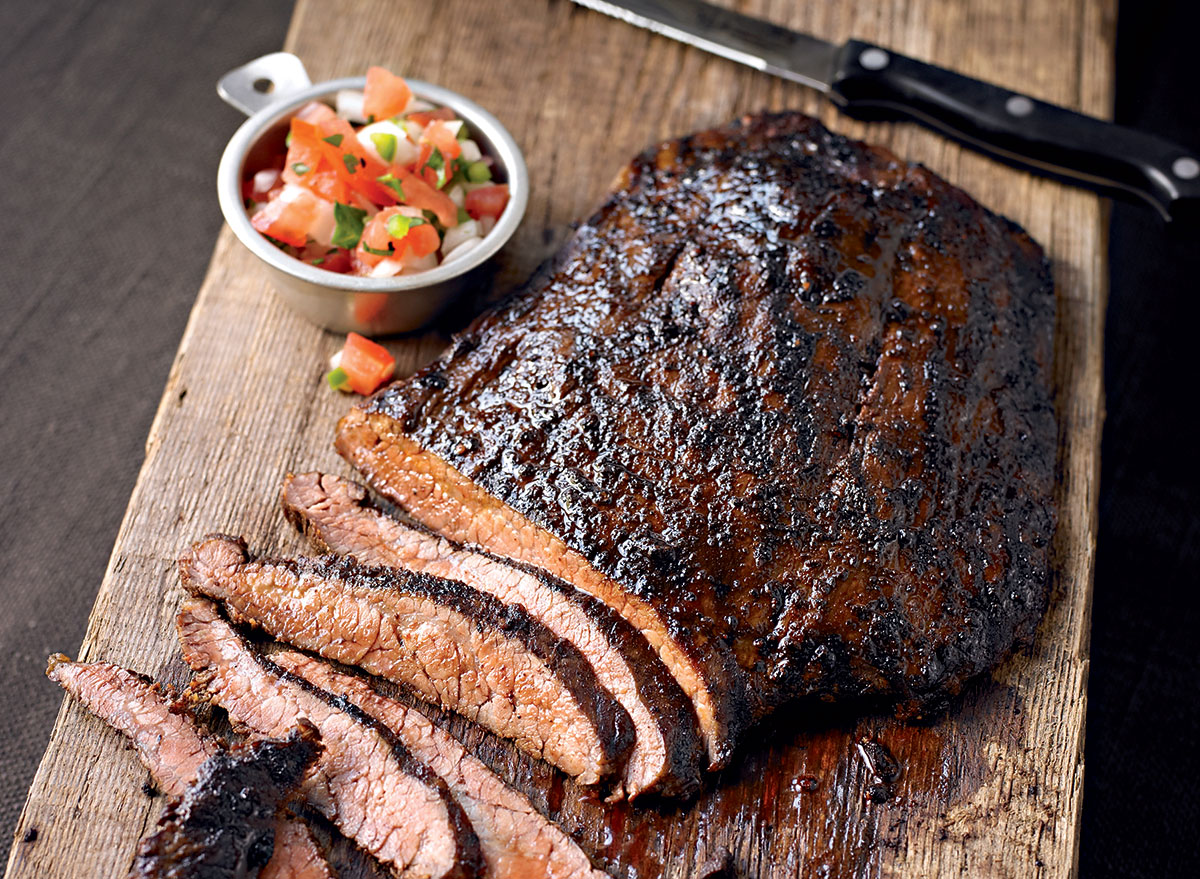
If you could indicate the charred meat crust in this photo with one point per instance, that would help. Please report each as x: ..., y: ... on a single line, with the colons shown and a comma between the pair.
x: 224, y: 824
x: 172, y: 746
x: 656, y: 689
x: 467, y: 860
x: 612, y: 725
x: 792, y: 392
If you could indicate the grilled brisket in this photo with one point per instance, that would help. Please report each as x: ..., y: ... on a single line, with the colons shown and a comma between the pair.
x: 365, y: 781
x: 223, y: 827
x: 783, y: 402
x: 516, y: 840
x: 172, y: 747
x: 464, y: 650
x: 336, y: 516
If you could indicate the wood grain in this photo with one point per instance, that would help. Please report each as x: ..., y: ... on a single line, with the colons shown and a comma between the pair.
x: 991, y: 789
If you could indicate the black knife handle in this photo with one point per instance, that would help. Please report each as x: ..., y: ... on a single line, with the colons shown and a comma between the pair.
x: 1019, y: 128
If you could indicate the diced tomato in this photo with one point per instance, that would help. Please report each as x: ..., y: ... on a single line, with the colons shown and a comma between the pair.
x: 367, y: 364
x: 375, y: 236
x: 385, y: 95
x: 360, y: 169
x: 307, y: 166
x: 424, y: 117
x: 315, y: 111
x: 289, y: 216
x: 424, y: 197
x: 443, y: 138
x: 423, y: 240
x: 338, y: 261
x: 487, y: 201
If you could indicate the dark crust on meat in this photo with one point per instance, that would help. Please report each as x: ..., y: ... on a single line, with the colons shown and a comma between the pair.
x: 795, y: 394
x: 468, y: 859
x: 612, y: 723
x: 655, y: 686
x: 224, y: 824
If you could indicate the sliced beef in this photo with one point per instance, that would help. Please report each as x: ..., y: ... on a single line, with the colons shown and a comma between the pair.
x: 459, y: 648
x: 297, y: 854
x: 168, y: 742
x: 172, y: 747
x: 784, y: 402
x: 223, y: 827
x: 365, y: 781
x: 516, y: 840
x: 335, y: 515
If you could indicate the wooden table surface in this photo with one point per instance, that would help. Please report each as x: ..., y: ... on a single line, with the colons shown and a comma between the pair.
x: 993, y: 788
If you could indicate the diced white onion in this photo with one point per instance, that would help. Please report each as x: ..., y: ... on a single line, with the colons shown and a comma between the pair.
x: 264, y: 180
x: 336, y: 360
x: 463, y: 247
x: 456, y: 195
x: 406, y: 150
x: 349, y: 105
x: 322, y: 230
x: 471, y: 151
x: 459, y: 234
x: 387, y: 268
x: 420, y: 264
x: 454, y: 126
x: 413, y: 129
x: 486, y: 224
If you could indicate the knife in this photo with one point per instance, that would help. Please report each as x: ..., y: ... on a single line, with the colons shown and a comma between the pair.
x: 863, y: 79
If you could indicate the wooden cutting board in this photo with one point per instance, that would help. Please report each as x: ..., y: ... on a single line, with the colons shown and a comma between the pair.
x: 991, y: 789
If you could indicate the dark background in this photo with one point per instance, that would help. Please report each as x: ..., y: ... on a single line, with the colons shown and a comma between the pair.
x: 109, y: 140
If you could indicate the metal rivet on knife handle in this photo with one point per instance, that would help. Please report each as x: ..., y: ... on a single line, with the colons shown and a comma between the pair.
x: 1019, y: 105
x: 874, y: 59
x: 1185, y: 168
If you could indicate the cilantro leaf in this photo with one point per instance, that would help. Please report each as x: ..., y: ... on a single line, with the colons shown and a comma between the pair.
x: 348, y: 225
x: 335, y: 139
x: 437, y: 162
x: 391, y: 249
x: 389, y: 180
x: 350, y: 161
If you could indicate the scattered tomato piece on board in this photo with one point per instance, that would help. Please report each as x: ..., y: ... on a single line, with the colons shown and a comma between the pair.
x: 363, y: 367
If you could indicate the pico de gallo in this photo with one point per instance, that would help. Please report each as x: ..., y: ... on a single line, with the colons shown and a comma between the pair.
x: 383, y: 184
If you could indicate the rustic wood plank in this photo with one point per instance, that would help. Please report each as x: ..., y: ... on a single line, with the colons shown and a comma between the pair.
x: 992, y: 789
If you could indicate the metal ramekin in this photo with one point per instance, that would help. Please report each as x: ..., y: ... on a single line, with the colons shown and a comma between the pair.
x: 270, y: 90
